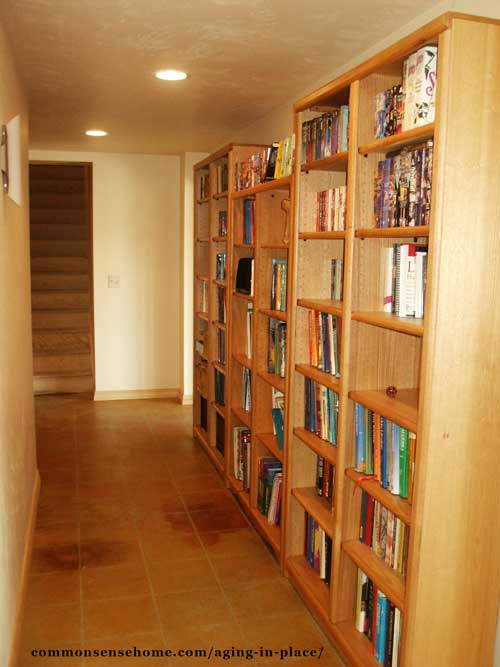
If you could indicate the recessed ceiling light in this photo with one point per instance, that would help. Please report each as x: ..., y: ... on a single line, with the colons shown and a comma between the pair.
x: 171, y: 75
x: 96, y: 133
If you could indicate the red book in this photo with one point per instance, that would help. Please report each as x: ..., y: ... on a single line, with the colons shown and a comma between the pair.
x: 369, y: 520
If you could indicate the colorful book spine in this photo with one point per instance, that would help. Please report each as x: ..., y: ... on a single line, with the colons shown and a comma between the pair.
x: 325, y: 135
x: 318, y: 548
x: 324, y: 342
x: 321, y: 406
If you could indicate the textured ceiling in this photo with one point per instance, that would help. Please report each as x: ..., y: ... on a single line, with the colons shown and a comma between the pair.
x: 90, y: 63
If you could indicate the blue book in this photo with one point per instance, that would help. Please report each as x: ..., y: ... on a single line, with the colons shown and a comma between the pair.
x: 395, y: 459
x: 248, y: 215
x: 383, y: 452
x: 382, y: 617
x: 278, y: 426
x: 344, y: 110
x: 360, y: 439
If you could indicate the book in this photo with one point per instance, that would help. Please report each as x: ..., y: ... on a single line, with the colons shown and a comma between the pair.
x: 246, y: 389
x: 249, y: 322
x: 321, y: 406
x: 325, y: 135
x: 337, y: 279
x: 278, y: 284
x: 324, y: 342
x: 404, y: 268
x: 242, y: 441
x: 278, y: 412
x: 249, y: 221
x: 318, y: 548
x: 331, y: 209
x: 276, y: 355
x: 219, y: 387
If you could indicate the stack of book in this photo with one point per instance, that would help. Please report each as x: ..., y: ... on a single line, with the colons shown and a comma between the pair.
x: 405, y: 279
x: 276, y: 161
x: 204, y: 187
x: 221, y: 177
x: 384, y: 533
x: 242, y: 440
x: 285, y: 154
x: 325, y: 135
x: 222, y: 224
x: 385, y: 450
x: 278, y: 414
x: 331, y: 207
x: 249, y: 330
x: 323, y: 342
x: 219, y: 383
x: 246, y: 389
x: 252, y: 171
x: 221, y: 304
x: 318, y: 549
x: 276, y: 354
x: 221, y: 346
x: 337, y: 279
x: 321, y: 408
x: 379, y: 620
x: 325, y: 479
x: 220, y: 266
x: 403, y: 188
x: 404, y: 107
x: 278, y: 285
x: 269, y: 489
x: 249, y: 221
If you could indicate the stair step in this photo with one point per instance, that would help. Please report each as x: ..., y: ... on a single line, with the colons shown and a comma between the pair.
x: 57, y: 186
x: 60, y: 265
x: 61, y: 319
x: 53, y: 248
x: 58, y: 341
x: 57, y: 172
x: 62, y: 364
x: 57, y: 281
x: 62, y: 384
x: 59, y: 300
x: 76, y: 200
x: 58, y: 231
x: 59, y: 216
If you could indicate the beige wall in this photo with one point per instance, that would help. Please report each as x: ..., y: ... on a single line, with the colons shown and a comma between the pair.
x: 188, y: 160
x: 17, y: 439
x: 137, y: 237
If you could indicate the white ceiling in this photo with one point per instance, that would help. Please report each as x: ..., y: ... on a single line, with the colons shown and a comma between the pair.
x: 90, y: 63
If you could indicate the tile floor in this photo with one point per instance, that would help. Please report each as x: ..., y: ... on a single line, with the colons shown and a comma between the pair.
x: 138, y: 543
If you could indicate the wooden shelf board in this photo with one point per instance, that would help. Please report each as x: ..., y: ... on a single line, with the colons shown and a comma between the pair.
x: 274, y: 246
x: 275, y: 314
x: 219, y: 325
x: 392, y: 232
x: 235, y: 484
x: 243, y: 360
x: 219, y: 408
x: 318, y: 445
x: 221, y: 283
x: 202, y: 435
x: 203, y: 201
x: 354, y: 645
x: 202, y: 316
x: 202, y: 239
x: 270, y: 532
x: 220, y: 367
x: 275, y: 381
x: 402, y: 409
x: 244, y: 416
x: 397, y: 505
x: 244, y: 245
x: 220, y: 195
x: 323, y: 305
x: 407, y: 325
x: 389, y: 581
x: 316, y: 506
x: 212, y: 452
x: 396, y: 141
x: 337, y: 162
x: 311, y: 587
x: 326, y: 379
x: 201, y: 393
x: 321, y: 236
x: 203, y: 278
x: 245, y: 297
x: 270, y: 441
x: 277, y: 184
x: 219, y: 239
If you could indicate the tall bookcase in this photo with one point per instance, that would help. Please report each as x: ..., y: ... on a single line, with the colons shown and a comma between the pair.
x: 444, y: 366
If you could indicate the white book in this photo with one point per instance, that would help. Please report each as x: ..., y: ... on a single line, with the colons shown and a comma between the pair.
x: 409, y: 92
x: 419, y: 283
x: 387, y: 276
x: 322, y: 554
x: 425, y: 86
x: 360, y: 607
x: 396, y: 636
x: 410, y: 288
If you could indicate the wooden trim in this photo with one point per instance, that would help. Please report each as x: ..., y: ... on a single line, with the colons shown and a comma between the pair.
x: 185, y: 399
x: 397, y: 141
x: 25, y: 571
x: 277, y: 184
x: 220, y: 153
x: 136, y: 394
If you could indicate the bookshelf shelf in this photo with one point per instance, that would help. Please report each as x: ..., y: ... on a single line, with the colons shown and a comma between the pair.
x: 271, y: 533
x: 220, y: 195
x: 220, y: 409
x: 244, y: 297
x: 270, y: 442
x: 275, y: 314
x: 407, y: 325
x: 219, y: 239
x: 337, y: 162
x: 326, y: 379
x: 398, y: 506
x: 243, y: 416
x: 323, y: 305
x: 221, y: 283
x: 274, y: 380
x: 277, y: 184
x: 219, y: 325
x: 244, y: 245
x: 389, y: 581
x: 321, y: 236
x: 319, y: 446
x: 354, y: 645
x: 243, y: 360
x: 220, y: 367
x: 202, y: 239
x: 205, y: 200
x: 393, y: 232
x: 274, y: 246
x: 202, y: 316
x: 309, y: 584
x: 397, y: 141
x: 202, y: 278
x: 202, y: 435
x: 402, y: 409
x: 316, y: 506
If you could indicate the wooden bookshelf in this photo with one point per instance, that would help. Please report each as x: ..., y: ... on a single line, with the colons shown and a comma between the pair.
x: 441, y: 364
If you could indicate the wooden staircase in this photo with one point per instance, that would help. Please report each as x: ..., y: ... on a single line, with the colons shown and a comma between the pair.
x: 61, y: 278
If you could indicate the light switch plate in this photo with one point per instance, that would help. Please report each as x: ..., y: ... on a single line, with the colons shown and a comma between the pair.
x: 113, y: 281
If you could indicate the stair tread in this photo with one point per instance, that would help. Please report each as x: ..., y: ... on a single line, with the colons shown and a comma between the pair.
x: 61, y: 353
x: 59, y: 290
x: 79, y: 374
x: 61, y: 310
x: 54, y: 330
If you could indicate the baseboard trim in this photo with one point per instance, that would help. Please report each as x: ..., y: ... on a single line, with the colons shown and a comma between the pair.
x: 25, y: 570
x: 185, y: 399
x: 135, y: 394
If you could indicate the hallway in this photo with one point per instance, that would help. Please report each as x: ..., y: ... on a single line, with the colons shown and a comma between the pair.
x: 132, y: 547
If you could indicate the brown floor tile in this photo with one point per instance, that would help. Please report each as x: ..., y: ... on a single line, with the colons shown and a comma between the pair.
x: 120, y: 581
x: 46, y: 625
x: 121, y: 529
x: 55, y: 588
x: 221, y: 636
x: 167, y: 502
x: 164, y: 522
x: 52, y: 534
x: 104, y: 509
x: 199, y: 483
x: 213, y: 521
x: 119, y: 618
x: 102, y: 553
x: 184, y: 577
x: 216, y: 500
x: 246, y: 570
x: 179, y: 611
x: 269, y: 598
x: 57, y: 659
x: 62, y: 510
x: 54, y: 558
x: 170, y: 547
x: 240, y: 542
x: 145, y: 642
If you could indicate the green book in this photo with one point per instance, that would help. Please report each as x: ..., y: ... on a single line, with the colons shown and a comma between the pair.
x: 403, y: 462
